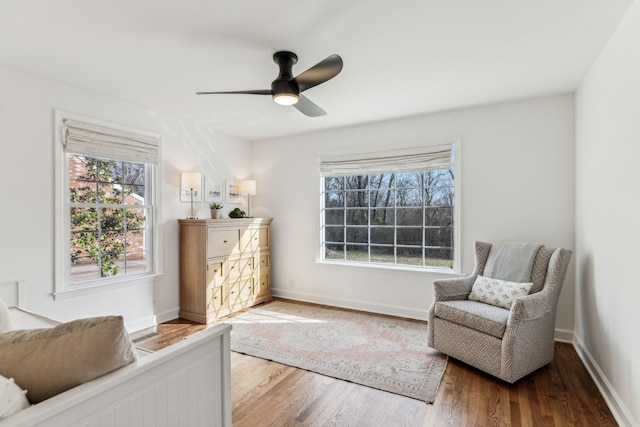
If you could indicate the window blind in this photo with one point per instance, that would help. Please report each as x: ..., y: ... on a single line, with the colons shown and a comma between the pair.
x: 395, y: 160
x: 103, y: 142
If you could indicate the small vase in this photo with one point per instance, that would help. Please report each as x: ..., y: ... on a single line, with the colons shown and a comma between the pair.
x: 216, y: 214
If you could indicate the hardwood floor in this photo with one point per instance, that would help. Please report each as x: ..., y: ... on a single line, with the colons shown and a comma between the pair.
x: 266, y: 393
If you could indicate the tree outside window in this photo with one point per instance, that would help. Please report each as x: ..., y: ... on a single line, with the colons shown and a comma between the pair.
x: 108, y: 218
x: 403, y: 218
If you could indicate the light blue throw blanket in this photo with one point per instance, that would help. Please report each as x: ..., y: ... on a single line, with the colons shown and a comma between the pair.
x: 511, y: 261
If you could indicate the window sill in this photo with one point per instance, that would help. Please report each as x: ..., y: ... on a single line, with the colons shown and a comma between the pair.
x: 80, y: 290
x: 390, y: 268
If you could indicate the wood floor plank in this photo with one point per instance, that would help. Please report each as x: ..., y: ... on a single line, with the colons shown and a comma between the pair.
x: 266, y: 393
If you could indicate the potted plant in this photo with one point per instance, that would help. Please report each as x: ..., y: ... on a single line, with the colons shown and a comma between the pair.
x: 216, y: 210
x: 237, y: 213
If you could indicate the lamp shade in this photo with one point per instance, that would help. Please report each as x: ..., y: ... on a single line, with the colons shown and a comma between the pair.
x: 248, y: 186
x: 191, y: 180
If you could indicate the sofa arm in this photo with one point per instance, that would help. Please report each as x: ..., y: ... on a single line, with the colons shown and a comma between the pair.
x: 529, y: 307
x: 453, y: 289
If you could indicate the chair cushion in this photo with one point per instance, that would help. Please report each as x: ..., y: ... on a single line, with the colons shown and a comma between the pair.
x: 481, y: 317
x: 497, y: 292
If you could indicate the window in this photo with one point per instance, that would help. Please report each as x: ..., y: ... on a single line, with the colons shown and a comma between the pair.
x: 390, y: 208
x: 105, y: 180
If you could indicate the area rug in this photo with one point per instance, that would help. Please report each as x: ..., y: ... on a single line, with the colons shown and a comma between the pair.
x: 376, y: 351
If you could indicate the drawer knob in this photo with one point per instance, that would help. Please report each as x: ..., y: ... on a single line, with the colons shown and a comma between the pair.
x: 224, y: 241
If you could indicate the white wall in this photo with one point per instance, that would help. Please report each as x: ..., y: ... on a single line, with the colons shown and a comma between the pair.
x: 517, y: 185
x: 26, y: 218
x: 607, y: 206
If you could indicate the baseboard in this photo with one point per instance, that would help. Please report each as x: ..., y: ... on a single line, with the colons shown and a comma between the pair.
x: 560, y: 335
x: 618, y: 409
x: 140, y: 324
x: 167, y: 315
x: 563, y: 335
x: 392, y: 310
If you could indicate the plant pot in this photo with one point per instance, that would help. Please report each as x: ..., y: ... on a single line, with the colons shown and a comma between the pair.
x: 216, y: 213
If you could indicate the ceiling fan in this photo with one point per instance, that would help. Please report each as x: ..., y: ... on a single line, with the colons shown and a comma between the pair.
x: 287, y: 90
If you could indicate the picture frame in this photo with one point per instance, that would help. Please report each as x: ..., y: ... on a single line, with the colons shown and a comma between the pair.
x: 185, y: 195
x: 232, y: 191
x: 213, y: 190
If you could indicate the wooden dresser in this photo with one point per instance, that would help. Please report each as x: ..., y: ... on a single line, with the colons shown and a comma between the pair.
x: 224, y: 266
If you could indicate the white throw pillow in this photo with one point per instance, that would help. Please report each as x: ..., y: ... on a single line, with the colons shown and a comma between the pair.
x: 5, y: 317
x: 498, y: 292
x: 12, y: 397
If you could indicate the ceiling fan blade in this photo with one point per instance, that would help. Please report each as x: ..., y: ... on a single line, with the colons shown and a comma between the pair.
x: 248, y: 92
x: 308, y: 108
x: 319, y: 73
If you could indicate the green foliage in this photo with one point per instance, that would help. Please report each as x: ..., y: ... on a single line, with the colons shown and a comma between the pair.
x: 237, y: 213
x: 98, y: 233
x: 215, y: 206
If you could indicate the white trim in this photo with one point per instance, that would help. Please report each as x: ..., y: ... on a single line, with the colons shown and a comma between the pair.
x: 14, y: 292
x: 563, y: 335
x: 115, y: 283
x: 608, y: 392
x: 140, y: 324
x: 61, y: 287
x: 167, y: 315
x: 456, y: 147
x: 445, y: 273
x: 391, y: 310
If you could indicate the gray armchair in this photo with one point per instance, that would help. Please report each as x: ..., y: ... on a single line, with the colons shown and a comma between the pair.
x: 506, y: 343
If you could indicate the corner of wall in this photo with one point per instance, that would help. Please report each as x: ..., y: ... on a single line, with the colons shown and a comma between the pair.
x: 615, y: 404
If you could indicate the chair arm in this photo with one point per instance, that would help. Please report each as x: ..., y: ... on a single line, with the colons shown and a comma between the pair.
x: 529, y: 307
x: 453, y: 289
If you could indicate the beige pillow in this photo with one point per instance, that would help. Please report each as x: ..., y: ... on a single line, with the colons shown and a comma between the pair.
x: 498, y: 292
x: 49, y: 361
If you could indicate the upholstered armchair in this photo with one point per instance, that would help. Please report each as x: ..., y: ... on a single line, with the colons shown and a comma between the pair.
x: 470, y: 322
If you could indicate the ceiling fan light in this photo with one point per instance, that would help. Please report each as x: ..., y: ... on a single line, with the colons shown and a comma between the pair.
x: 285, y: 98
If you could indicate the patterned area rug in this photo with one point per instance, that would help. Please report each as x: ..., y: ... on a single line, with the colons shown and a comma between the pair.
x: 376, y: 351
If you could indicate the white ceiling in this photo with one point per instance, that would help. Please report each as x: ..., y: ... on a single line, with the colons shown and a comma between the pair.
x: 401, y: 58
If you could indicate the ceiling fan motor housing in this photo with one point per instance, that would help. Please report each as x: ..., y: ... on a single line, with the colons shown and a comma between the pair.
x: 284, y: 83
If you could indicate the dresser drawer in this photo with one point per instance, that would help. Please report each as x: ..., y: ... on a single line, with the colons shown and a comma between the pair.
x: 241, y: 292
x: 264, y: 262
x: 215, y: 272
x: 255, y: 238
x: 222, y: 242
x: 241, y: 267
x: 214, y: 299
x: 263, y: 287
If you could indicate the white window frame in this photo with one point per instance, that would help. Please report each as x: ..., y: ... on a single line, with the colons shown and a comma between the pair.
x: 455, y: 144
x: 62, y: 286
